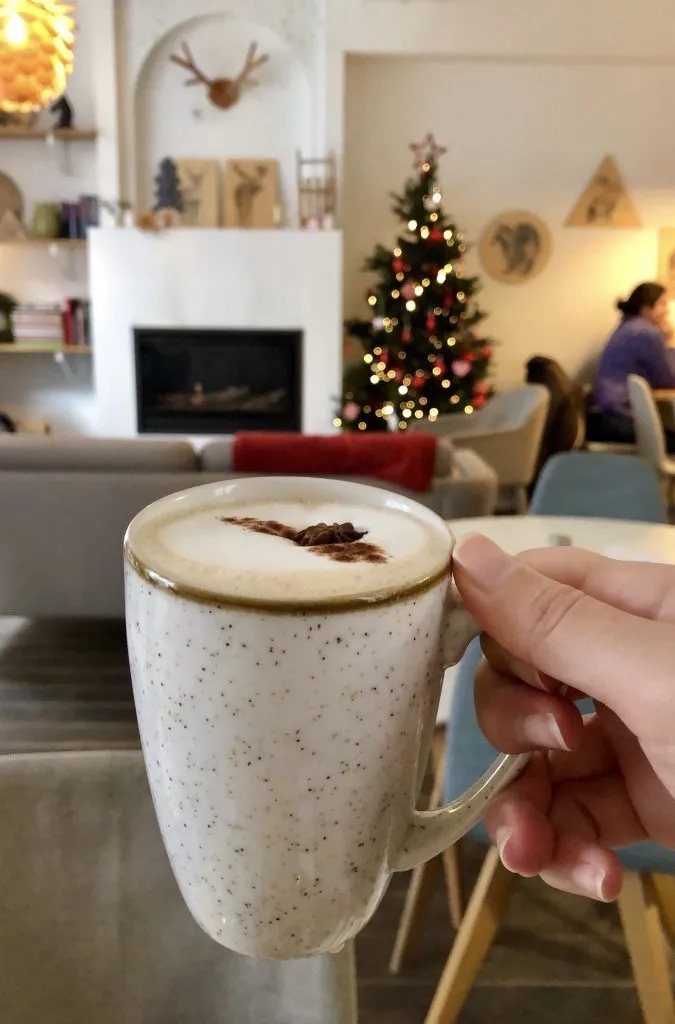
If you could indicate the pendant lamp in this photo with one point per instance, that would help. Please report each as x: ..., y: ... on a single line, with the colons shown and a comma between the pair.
x: 36, y: 53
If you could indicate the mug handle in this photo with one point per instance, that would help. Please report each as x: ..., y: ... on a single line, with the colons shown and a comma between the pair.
x: 431, y: 832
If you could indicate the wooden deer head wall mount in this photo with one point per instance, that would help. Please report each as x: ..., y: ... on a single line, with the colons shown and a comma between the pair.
x: 222, y: 92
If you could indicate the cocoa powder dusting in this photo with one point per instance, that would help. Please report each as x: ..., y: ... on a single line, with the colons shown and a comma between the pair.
x: 341, y: 542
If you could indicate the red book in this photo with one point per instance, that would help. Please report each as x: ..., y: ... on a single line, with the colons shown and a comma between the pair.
x: 67, y: 319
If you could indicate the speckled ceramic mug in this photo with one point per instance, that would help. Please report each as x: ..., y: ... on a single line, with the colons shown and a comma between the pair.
x: 285, y: 743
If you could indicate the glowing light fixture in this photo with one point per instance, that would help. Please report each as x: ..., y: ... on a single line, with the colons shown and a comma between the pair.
x: 36, y: 53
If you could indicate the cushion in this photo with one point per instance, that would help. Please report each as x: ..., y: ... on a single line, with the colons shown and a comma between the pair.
x: 218, y: 457
x: 28, y: 453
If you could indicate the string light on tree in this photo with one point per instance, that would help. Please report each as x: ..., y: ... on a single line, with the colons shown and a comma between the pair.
x: 427, y: 355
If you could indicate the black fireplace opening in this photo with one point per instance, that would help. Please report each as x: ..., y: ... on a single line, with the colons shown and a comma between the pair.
x: 192, y: 381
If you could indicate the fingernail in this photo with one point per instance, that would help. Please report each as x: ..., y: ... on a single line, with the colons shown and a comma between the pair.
x: 530, y: 675
x: 485, y: 564
x: 542, y: 731
x: 502, y: 837
x: 589, y: 880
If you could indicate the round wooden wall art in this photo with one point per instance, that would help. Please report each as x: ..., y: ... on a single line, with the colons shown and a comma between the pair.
x: 515, y: 247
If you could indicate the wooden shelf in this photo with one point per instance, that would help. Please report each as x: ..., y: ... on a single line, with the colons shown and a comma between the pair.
x: 62, y: 134
x: 47, y: 243
x: 30, y: 347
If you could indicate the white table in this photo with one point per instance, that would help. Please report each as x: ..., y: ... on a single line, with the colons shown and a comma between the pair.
x: 612, y: 537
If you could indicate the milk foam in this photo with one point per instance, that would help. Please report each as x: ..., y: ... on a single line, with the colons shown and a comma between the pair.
x: 197, y: 549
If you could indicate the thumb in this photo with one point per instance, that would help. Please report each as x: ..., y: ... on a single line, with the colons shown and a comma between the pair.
x: 605, y: 652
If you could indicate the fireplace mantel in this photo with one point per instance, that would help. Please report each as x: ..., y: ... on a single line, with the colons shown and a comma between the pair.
x: 214, y: 279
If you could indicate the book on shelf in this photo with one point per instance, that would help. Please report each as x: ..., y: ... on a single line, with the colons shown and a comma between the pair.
x: 52, y: 324
x: 76, y: 322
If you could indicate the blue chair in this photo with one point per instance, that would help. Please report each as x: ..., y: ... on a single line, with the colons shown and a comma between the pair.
x: 649, y: 888
x: 604, y: 486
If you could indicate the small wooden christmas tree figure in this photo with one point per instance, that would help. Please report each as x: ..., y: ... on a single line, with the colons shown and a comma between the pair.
x: 167, y: 187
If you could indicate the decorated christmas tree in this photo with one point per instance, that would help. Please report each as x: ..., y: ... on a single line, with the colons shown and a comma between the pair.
x: 423, y: 352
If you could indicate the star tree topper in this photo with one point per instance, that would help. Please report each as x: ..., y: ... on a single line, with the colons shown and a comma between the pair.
x: 427, y: 151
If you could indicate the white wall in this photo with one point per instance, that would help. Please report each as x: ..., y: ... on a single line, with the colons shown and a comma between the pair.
x: 522, y: 133
x: 272, y: 119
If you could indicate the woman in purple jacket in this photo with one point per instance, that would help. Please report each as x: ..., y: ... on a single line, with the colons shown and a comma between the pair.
x: 638, y: 345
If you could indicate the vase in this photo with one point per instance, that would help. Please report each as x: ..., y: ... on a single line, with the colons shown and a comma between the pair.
x: 46, y: 220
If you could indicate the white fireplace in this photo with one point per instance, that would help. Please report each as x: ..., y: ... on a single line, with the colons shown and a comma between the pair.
x: 219, y: 280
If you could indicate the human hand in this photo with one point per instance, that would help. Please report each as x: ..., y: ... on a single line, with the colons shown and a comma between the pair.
x: 558, y: 618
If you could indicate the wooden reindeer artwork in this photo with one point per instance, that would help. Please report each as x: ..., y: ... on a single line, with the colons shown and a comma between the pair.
x: 199, y: 192
x: 248, y: 188
x: 250, y: 193
x: 222, y: 92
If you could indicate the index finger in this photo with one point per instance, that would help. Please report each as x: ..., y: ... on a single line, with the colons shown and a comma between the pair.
x: 643, y: 588
x: 619, y: 658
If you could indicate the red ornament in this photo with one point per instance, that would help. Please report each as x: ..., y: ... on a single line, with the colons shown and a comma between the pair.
x: 478, y: 401
x: 436, y: 235
x: 418, y: 380
x: 406, y: 335
x: 448, y: 300
x: 439, y: 363
x: 431, y: 322
x: 398, y: 265
x: 486, y: 351
x: 470, y: 357
x: 481, y: 387
x: 384, y: 357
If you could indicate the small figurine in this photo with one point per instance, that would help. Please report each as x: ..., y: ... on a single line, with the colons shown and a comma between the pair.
x: 66, y: 114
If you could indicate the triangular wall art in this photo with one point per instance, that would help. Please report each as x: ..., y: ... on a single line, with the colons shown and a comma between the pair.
x: 605, y: 202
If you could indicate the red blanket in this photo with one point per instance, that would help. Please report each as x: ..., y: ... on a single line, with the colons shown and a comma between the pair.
x: 405, y: 460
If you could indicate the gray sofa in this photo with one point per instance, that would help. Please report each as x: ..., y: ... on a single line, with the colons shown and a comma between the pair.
x: 95, y: 930
x: 66, y: 502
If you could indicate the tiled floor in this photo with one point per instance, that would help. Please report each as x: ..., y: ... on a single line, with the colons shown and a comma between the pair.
x: 556, y: 959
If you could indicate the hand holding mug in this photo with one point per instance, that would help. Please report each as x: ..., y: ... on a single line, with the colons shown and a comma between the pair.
x: 594, y: 626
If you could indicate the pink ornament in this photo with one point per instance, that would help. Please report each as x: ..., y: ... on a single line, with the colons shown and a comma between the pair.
x: 407, y: 290
x: 350, y: 412
x: 461, y: 367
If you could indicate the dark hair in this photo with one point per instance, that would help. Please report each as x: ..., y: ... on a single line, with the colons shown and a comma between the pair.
x: 646, y: 294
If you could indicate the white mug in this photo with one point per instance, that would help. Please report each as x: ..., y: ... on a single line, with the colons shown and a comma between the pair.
x: 286, y: 745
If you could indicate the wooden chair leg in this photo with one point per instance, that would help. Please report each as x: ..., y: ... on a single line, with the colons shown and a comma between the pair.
x: 454, y: 883
x: 484, y: 913
x: 423, y: 878
x: 452, y: 859
x: 664, y: 892
x: 647, y: 949
x: 417, y: 901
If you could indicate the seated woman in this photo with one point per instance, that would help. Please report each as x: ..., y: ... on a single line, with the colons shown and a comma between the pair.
x: 638, y: 345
